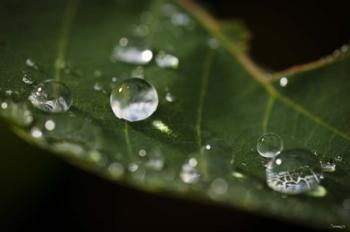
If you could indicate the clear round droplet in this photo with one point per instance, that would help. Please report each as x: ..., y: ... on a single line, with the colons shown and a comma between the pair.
x: 132, y: 50
x: 269, y: 145
x: 51, y: 96
x: 134, y: 100
x: 165, y: 60
x: 293, y: 171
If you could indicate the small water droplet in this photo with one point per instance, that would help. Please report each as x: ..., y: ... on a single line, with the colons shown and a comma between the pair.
x: 238, y: 175
x: 132, y: 50
x: 50, y: 125
x: 98, y: 73
x: 98, y: 86
x: 114, y: 79
x: 269, y: 145
x: 338, y: 158
x: 51, y: 96
x: 213, y: 43
x: 68, y: 147
x: 116, y: 169
x: 27, y: 79
x: 138, y: 72
x: 189, y: 173
x: 142, y: 153
x: 133, y: 167
x: 9, y: 92
x: 36, y: 132
x: 293, y: 171
x: 218, y: 187
x: 155, y: 161
x: 18, y: 113
x: 169, y: 97
x: 134, y: 100
x: 165, y: 60
x: 31, y: 64
x: 283, y: 81
x: 328, y: 165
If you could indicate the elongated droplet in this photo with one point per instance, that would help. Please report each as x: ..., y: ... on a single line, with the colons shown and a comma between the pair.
x: 134, y: 100
x: 132, y: 50
x: 269, y: 145
x: 293, y: 171
x: 51, y: 96
x: 165, y: 60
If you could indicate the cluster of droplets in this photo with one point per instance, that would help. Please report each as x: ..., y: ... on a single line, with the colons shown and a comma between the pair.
x: 292, y: 171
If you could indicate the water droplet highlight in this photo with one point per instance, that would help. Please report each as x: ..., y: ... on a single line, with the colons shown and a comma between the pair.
x: 283, y: 81
x: 51, y: 96
x: 293, y: 171
x: 134, y: 100
x: 328, y: 165
x: 269, y: 145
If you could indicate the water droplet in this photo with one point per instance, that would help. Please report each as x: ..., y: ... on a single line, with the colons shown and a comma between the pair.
x: 116, y: 170
x: 338, y: 158
x: 142, y: 153
x: 165, y: 60
x: 293, y: 171
x: 51, y: 96
x: 27, y: 79
x: 269, y: 145
x: 98, y: 86
x: 18, y: 113
x: 162, y: 127
x: 328, y: 165
x: 189, y: 173
x: 50, y: 125
x: 9, y: 92
x: 155, y: 161
x: 134, y: 100
x: 283, y: 81
x: 180, y: 19
x: 31, y: 64
x: 68, y: 147
x: 114, y: 79
x: 218, y: 187
x: 98, y: 73
x: 133, y: 167
x: 213, y: 43
x: 36, y: 132
x: 138, y: 72
x: 238, y: 175
x: 169, y: 97
x: 133, y: 51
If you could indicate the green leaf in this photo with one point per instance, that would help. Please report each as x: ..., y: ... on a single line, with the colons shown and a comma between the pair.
x: 221, y: 99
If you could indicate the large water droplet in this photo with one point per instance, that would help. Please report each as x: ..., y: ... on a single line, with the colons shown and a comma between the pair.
x: 132, y: 50
x: 189, y: 173
x: 269, y: 145
x: 134, y: 100
x: 51, y: 96
x: 293, y: 171
x: 165, y: 60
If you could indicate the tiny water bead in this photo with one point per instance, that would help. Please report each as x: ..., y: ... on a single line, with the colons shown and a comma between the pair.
x: 293, y: 171
x: 134, y: 100
x: 51, y: 96
x: 328, y: 165
x: 189, y: 172
x: 132, y: 50
x: 165, y: 60
x: 269, y: 145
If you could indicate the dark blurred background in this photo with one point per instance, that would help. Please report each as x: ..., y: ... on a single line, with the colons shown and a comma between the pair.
x: 40, y: 192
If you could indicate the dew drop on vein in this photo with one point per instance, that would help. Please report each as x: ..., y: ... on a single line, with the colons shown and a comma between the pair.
x: 134, y: 100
